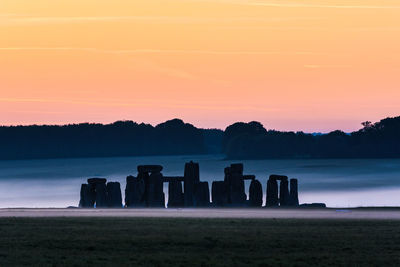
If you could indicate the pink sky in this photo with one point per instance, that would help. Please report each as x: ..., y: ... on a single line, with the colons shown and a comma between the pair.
x: 305, y: 65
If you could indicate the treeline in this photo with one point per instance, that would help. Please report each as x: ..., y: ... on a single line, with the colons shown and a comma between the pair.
x: 122, y: 138
x: 174, y: 137
x: 253, y: 141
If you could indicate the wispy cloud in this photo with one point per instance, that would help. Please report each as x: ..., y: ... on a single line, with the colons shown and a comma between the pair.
x: 142, y: 103
x: 311, y: 28
x: 298, y: 5
x: 13, y: 19
x: 318, y: 66
x: 169, y: 71
x: 158, y: 51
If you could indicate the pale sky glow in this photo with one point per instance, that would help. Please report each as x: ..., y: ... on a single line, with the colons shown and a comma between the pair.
x: 308, y: 65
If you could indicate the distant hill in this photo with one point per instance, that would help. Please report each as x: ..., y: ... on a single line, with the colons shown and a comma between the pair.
x: 174, y: 137
x: 253, y: 141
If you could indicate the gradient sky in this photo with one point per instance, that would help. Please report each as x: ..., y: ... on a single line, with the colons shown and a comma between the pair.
x: 292, y: 65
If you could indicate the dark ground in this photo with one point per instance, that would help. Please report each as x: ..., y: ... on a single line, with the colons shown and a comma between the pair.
x: 198, y: 242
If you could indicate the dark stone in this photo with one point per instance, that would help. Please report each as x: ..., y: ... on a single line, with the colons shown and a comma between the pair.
x: 149, y: 168
x: 114, y: 196
x: 284, y: 193
x: 201, y: 196
x: 219, y: 194
x: 96, y: 192
x: 234, y: 181
x: 236, y: 168
x: 191, y: 179
x: 134, y: 192
x: 155, y: 191
x: 272, y: 193
x: 86, y: 199
x: 278, y: 177
x: 255, y: 194
x: 97, y: 180
x: 227, y: 170
x: 101, y: 195
x: 236, y: 190
x: 249, y: 177
x: 294, y: 195
x: 313, y: 205
x: 92, y: 194
x: 175, y: 194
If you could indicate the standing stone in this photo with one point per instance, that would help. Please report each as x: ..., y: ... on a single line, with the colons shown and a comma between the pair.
x: 149, y: 168
x: 191, y: 179
x: 134, y: 192
x: 114, y: 196
x: 155, y: 193
x: 98, y: 192
x: 272, y: 193
x: 97, y: 180
x: 85, y: 201
x: 175, y: 194
x: 294, y: 196
x: 284, y: 193
x: 201, y: 196
x: 219, y: 194
x: 255, y: 194
x: 237, y: 193
x: 237, y: 168
x: 92, y: 194
x: 235, y: 185
x: 101, y: 195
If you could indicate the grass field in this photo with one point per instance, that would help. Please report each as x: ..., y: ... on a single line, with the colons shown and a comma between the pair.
x: 197, y: 242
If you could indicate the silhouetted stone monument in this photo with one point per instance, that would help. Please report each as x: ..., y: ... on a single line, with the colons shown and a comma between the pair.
x: 175, y: 194
x: 155, y: 190
x: 235, y: 185
x: 134, y: 192
x: 98, y: 186
x: 97, y: 180
x: 294, y: 196
x: 101, y: 195
x: 149, y: 168
x: 273, y: 200
x: 313, y: 205
x: 86, y: 200
x: 201, y: 196
x: 272, y: 193
x: 114, y: 197
x: 191, y: 178
x: 284, y: 193
x: 94, y: 193
x: 255, y: 194
x: 147, y: 190
x: 219, y: 194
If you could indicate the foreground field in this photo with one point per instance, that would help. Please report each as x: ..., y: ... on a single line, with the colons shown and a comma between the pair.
x: 197, y: 242
x: 215, y: 213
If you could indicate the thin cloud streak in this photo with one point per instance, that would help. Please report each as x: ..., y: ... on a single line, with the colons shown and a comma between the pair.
x: 142, y: 103
x: 322, y: 6
x: 158, y: 51
x: 318, y: 66
x: 297, y: 5
x: 311, y: 28
x: 15, y: 19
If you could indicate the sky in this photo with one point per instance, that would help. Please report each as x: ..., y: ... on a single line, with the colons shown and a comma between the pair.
x: 312, y: 65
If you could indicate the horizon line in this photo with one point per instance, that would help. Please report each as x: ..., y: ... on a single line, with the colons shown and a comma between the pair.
x: 156, y: 124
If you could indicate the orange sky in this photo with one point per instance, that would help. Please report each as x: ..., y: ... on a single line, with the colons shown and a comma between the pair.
x: 292, y: 65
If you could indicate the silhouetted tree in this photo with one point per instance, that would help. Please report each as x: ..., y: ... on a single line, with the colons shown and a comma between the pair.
x: 240, y: 141
x: 122, y: 138
x: 252, y: 141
